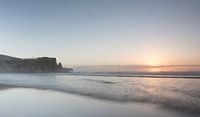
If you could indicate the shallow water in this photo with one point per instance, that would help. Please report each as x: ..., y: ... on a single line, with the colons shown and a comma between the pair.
x: 21, y: 102
x: 178, y: 94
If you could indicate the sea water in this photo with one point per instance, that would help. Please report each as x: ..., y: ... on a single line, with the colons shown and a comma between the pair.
x: 179, y: 94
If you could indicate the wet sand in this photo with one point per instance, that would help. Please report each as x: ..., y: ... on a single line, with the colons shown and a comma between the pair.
x: 23, y: 102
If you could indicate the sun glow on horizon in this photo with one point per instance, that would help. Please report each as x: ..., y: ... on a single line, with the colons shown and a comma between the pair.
x: 153, y: 62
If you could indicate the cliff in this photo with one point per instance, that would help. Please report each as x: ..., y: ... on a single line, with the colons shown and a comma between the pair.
x: 39, y: 65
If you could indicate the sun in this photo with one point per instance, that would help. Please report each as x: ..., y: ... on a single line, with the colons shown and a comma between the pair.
x: 154, y: 65
x: 152, y: 62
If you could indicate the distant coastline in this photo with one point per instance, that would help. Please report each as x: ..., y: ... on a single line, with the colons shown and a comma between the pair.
x: 10, y: 64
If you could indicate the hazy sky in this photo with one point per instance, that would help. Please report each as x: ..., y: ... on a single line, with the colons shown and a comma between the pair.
x: 101, y: 32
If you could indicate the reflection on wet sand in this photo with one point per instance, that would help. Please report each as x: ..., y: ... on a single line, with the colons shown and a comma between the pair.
x: 26, y: 102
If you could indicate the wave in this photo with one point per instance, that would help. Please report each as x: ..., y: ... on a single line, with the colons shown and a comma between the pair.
x: 178, y: 94
x: 140, y: 74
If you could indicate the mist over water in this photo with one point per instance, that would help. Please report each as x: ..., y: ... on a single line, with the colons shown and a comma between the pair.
x: 175, y: 93
x: 140, y: 68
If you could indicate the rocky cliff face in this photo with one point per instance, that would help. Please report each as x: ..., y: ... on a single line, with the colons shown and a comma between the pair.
x: 18, y: 65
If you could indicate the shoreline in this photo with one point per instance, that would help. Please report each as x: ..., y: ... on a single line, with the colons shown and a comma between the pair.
x: 94, y: 98
x: 113, y: 90
x: 38, y: 103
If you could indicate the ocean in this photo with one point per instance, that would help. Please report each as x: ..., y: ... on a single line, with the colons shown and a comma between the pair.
x: 179, y: 93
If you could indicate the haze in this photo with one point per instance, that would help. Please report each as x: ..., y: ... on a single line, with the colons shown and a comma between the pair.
x: 103, y: 32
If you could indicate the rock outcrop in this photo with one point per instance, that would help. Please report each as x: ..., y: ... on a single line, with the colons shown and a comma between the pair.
x: 39, y: 65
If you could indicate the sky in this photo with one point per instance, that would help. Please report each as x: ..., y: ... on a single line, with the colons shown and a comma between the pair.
x: 102, y: 32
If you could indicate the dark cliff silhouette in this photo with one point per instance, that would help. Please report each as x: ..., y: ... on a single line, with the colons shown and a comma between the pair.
x: 39, y: 65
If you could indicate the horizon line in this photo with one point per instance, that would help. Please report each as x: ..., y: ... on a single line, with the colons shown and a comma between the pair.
x: 179, y: 65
